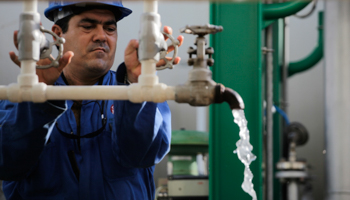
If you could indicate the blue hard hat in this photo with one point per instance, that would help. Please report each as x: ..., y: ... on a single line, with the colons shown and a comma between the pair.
x: 60, y: 9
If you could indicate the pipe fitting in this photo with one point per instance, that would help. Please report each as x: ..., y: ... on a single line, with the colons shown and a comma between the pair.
x: 18, y: 93
x: 151, y: 39
x: 138, y: 93
x: 198, y: 93
x: 39, y: 93
x: 13, y: 93
x: 30, y: 37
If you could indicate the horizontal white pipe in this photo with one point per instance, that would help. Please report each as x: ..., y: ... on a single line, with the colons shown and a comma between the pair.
x: 30, y: 6
x: 40, y: 92
x: 87, y: 92
x: 151, y: 6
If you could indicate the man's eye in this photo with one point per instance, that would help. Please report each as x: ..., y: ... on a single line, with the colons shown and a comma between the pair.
x: 87, y: 27
x: 110, y: 29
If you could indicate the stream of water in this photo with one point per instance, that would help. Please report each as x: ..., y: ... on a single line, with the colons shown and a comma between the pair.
x: 244, y: 151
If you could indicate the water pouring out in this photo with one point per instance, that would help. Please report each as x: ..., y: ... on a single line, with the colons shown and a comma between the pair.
x: 244, y: 151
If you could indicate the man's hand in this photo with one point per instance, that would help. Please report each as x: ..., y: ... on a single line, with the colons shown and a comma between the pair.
x: 133, y: 66
x: 50, y: 75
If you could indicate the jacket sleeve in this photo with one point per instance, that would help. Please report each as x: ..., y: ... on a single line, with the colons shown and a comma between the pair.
x: 23, y: 133
x: 143, y: 133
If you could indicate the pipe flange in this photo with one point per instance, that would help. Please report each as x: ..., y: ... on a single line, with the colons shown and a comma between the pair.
x: 292, y: 175
x: 287, y: 165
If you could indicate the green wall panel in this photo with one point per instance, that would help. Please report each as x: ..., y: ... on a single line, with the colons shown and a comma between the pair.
x: 238, y: 66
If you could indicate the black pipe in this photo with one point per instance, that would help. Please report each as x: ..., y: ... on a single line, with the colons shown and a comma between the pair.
x: 223, y: 94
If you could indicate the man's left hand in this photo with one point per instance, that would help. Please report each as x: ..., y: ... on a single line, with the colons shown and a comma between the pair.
x: 133, y: 65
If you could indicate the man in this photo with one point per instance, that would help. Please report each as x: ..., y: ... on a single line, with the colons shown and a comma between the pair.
x: 84, y: 149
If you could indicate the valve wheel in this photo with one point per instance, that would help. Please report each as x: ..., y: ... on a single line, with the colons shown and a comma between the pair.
x: 169, y: 63
x: 46, y: 51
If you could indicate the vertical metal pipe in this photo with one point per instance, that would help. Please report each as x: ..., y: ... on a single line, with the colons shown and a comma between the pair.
x: 293, y: 190
x: 286, y: 60
x: 269, y: 117
x: 337, y: 98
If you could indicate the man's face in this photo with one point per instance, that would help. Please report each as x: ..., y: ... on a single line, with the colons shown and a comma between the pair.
x: 92, y: 36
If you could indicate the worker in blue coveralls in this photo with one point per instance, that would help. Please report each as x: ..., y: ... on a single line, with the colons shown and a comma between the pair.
x: 84, y: 149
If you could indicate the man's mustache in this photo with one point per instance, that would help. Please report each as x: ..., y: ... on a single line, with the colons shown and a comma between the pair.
x: 101, y: 46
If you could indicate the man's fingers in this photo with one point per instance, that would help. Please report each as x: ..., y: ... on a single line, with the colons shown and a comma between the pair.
x: 15, y: 41
x: 131, y: 47
x: 177, y: 60
x: 65, y: 60
x: 168, y: 30
x: 14, y: 58
x: 180, y: 38
x: 162, y: 62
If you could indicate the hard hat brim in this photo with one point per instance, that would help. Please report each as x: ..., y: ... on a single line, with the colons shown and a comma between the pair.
x: 117, y: 9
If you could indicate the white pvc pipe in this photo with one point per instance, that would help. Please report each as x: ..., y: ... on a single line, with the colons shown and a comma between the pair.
x: 148, y: 67
x: 30, y: 6
x: 148, y: 75
x: 28, y: 67
x: 150, y: 6
x: 27, y: 76
x: 87, y: 92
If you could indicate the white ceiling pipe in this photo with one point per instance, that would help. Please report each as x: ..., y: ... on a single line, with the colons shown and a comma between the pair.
x: 150, y: 6
x: 30, y: 6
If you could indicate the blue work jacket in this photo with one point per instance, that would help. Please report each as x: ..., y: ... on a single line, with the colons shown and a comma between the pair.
x: 39, y: 162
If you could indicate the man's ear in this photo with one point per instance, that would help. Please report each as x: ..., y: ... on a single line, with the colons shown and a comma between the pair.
x: 58, y: 30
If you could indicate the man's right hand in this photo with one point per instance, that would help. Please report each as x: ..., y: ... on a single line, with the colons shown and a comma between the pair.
x: 50, y: 75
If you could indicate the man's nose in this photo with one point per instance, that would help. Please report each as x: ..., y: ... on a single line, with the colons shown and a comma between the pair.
x: 100, y: 34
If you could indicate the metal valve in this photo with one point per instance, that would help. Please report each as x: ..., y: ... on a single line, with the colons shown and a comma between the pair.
x: 202, y: 30
x: 201, y: 42
x: 46, y: 49
x: 169, y: 63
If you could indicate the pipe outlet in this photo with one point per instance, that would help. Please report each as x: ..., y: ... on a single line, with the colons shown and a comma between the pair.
x: 223, y: 94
